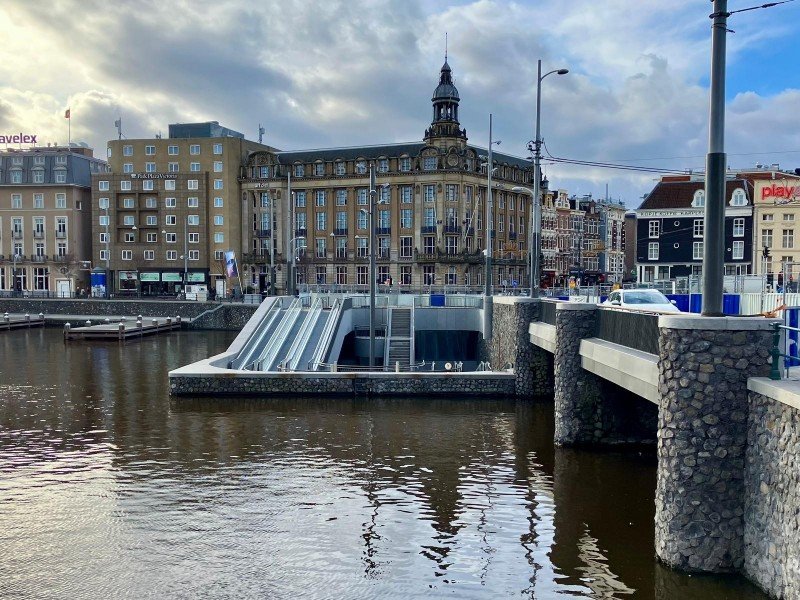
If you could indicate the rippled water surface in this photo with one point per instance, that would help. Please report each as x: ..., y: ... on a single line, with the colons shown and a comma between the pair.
x: 110, y: 490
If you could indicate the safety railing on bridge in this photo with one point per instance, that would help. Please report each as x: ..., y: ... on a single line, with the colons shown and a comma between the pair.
x: 547, y: 312
x: 632, y: 328
x: 786, y: 337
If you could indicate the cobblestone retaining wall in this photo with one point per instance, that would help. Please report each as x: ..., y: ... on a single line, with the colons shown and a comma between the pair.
x: 702, y: 432
x: 510, y: 343
x: 344, y: 384
x: 230, y: 317
x: 772, y: 497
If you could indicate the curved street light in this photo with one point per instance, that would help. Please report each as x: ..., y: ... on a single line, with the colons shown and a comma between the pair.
x: 537, y: 172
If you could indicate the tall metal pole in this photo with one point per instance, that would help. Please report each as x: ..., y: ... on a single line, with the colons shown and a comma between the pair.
x: 537, y: 178
x: 185, y: 252
x: 289, y: 235
x: 271, y: 245
x: 487, y: 288
x: 108, y: 262
x: 714, y: 235
x: 487, y: 291
x: 372, y: 193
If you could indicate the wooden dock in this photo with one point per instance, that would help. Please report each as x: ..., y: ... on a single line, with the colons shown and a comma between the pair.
x: 8, y: 322
x: 132, y: 328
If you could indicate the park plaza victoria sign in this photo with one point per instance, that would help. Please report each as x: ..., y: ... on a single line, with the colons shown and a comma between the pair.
x: 153, y: 175
x: 17, y: 138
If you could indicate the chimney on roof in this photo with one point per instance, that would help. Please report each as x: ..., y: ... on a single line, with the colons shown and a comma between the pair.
x: 776, y: 167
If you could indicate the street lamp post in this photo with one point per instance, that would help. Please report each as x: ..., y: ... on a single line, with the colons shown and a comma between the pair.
x: 536, y: 237
x: 714, y: 234
x: 289, y: 233
x: 372, y: 194
x: 14, y: 275
x: 535, y: 250
x: 108, y: 261
x: 185, y: 253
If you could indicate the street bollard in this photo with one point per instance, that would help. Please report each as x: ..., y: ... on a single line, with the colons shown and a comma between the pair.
x: 138, y: 322
x: 178, y: 319
x: 169, y: 320
x: 107, y: 320
x: 41, y: 316
x: 155, y: 322
x: 27, y: 317
x: 67, y: 327
x: 121, y: 329
x: 88, y: 323
x: 139, y: 318
x: 397, y: 366
x: 334, y: 367
x: 122, y: 319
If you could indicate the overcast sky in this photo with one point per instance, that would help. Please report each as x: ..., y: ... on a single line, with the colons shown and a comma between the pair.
x: 321, y: 74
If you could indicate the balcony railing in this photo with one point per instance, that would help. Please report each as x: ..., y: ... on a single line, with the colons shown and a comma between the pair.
x: 428, y: 229
x: 300, y: 232
x: 39, y: 258
x: 452, y: 228
x: 340, y: 231
x: 38, y: 234
x: 261, y: 233
x: 383, y: 230
x: 61, y: 234
x: 16, y: 234
x: 341, y: 253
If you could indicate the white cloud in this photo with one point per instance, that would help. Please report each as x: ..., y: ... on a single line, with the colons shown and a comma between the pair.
x: 360, y: 72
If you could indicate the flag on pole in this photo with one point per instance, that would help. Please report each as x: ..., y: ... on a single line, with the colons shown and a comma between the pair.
x: 230, y: 264
x: 66, y: 114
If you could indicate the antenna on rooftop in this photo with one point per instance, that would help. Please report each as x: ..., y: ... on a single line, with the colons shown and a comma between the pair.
x: 261, y: 132
x: 118, y: 125
x: 445, y: 46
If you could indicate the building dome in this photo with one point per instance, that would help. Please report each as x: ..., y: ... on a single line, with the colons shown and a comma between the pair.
x: 445, y: 90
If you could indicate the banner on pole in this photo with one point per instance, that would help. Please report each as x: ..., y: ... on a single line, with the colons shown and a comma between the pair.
x: 230, y: 264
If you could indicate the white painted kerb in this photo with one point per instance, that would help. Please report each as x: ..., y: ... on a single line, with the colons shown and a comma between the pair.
x: 686, y: 321
x: 631, y: 369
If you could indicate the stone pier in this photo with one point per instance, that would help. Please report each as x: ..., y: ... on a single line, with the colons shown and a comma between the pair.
x: 510, y: 345
x: 578, y: 399
x: 704, y: 365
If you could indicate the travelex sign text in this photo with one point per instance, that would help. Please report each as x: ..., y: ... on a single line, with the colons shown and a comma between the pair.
x: 18, y: 138
x: 781, y: 192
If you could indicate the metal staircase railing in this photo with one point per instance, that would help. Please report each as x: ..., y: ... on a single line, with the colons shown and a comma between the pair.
x: 303, y: 336
x: 326, y: 337
x: 245, y: 358
x: 277, y: 340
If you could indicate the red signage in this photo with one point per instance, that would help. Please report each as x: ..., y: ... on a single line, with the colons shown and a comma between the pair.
x: 787, y: 192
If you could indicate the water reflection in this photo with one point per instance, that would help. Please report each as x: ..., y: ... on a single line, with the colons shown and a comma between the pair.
x: 108, y: 489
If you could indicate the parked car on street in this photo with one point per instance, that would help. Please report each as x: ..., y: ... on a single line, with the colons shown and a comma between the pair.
x: 641, y: 299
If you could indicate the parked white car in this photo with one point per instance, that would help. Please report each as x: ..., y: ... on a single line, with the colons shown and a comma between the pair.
x: 644, y: 299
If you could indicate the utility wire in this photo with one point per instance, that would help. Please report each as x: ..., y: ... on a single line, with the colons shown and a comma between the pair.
x: 607, y: 165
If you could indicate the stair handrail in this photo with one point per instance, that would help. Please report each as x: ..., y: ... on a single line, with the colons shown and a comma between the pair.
x: 279, y: 336
x: 303, y: 335
x: 326, y: 335
x: 254, y: 341
x: 411, y: 350
x: 387, y: 339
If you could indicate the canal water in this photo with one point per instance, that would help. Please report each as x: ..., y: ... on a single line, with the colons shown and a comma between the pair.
x: 110, y: 490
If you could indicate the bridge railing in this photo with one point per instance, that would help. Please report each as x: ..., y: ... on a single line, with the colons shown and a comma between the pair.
x: 632, y: 328
x: 547, y: 312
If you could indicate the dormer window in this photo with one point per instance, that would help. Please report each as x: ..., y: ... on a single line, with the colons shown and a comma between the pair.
x: 738, y: 198
x: 341, y: 168
x: 299, y: 170
x: 361, y: 167
x: 699, y: 200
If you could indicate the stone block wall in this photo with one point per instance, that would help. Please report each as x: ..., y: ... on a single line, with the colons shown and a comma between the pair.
x: 343, y: 384
x: 702, y: 434
x: 230, y: 317
x: 772, y: 497
x: 510, y: 344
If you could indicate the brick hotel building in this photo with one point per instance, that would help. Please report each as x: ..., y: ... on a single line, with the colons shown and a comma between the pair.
x: 169, y: 208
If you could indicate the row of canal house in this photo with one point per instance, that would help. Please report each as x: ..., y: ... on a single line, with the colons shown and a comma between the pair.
x: 762, y: 210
